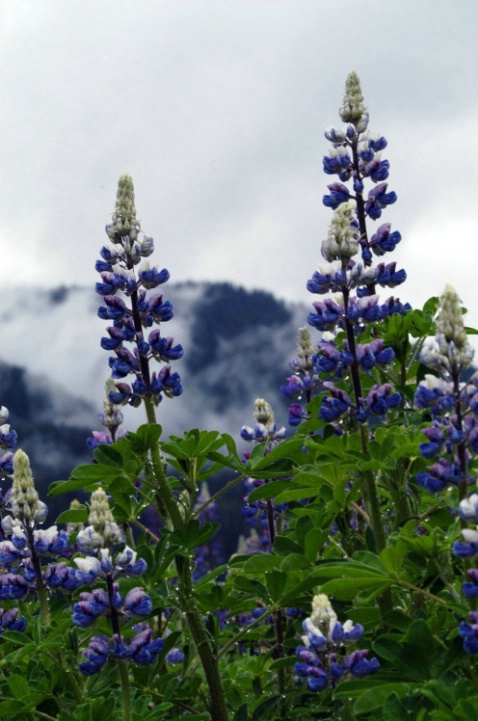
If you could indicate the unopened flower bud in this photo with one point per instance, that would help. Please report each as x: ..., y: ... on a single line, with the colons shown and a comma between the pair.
x: 353, y: 108
x: 342, y: 240
x: 263, y: 413
x: 24, y: 501
x: 101, y: 519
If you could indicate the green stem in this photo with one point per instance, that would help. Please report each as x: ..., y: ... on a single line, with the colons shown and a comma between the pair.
x: 41, y: 588
x: 209, y: 658
x: 243, y: 632
x: 125, y: 685
x: 218, y: 493
x: 166, y: 499
x: 372, y: 502
x: 422, y: 591
x: 142, y: 528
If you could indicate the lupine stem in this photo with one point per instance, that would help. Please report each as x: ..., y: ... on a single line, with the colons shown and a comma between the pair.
x: 41, y: 588
x: 372, y: 502
x: 209, y: 659
x: 126, y: 689
x: 166, y: 497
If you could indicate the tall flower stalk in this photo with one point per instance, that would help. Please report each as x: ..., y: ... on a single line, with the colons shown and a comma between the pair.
x: 348, y: 355
x: 123, y: 268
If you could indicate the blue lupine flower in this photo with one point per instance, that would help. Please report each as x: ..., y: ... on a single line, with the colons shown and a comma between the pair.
x: 12, y: 586
x: 335, y: 405
x: 339, y: 193
x: 91, y: 606
x: 138, y: 603
x: 96, y: 655
x: 358, y: 664
x: 383, y: 241
x: 11, y: 621
x: 469, y: 633
x: 141, y: 649
x: 174, y: 656
x: 60, y: 575
x: 469, y: 547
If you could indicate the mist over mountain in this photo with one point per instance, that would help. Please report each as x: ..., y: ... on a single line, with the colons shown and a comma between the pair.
x: 237, y: 344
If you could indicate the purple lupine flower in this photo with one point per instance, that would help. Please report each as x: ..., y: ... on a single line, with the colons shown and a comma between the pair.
x: 141, y: 649
x: 11, y: 621
x: 12, y: 586
x: 468, y: 548
x: 60, y: 575
x: 90, y: 607
x: 335, y: 405
x: 339, y: 193
x: 96, y: 655
x: 381, y: 398
x: 138, y: 603
x: 469, y: 633
x: 358, y: 664
x: 174, y: 656
x: 470, y: 588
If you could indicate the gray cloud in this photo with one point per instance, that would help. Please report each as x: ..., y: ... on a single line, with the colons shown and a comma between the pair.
x: 217, y: 110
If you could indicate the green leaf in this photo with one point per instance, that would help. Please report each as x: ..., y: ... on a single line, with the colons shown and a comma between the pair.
x: 275, y: 584
x: 284, y: 545
x: 108, y: 455
x: 76, y: 515
x: 296, y: 494
x: 375, y: 697
x: 268, y: 490
x: 265, y: 707
x: 259, y: 562
x: 147, y: 436
x: 314, y: 542
x: 18, y: 685
x: 295, y: 561
x: 344, y: 589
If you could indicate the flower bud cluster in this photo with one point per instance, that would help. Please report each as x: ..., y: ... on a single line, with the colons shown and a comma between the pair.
x: 322, y: 658
x: 117, y: 269
x: 101, y: 565
x: 265, y: 428
x: 24, y: 545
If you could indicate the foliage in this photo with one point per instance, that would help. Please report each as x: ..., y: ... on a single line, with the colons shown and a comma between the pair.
x: 353, y: 597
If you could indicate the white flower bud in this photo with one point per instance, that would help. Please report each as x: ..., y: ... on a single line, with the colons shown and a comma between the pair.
x: 353, y: 109
x: 24, y: 501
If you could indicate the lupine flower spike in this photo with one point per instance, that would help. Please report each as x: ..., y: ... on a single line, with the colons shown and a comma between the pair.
x: 348, y: 271
x: 452, y: 438
x: 25, y: 542
x: 98, y: 542
x: 323, y: 658
x: 119, y: 271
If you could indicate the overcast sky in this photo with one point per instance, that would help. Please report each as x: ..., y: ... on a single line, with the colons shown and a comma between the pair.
x: 217, y: 110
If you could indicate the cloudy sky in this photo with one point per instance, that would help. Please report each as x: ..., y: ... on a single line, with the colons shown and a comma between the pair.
x: 217, y: 110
